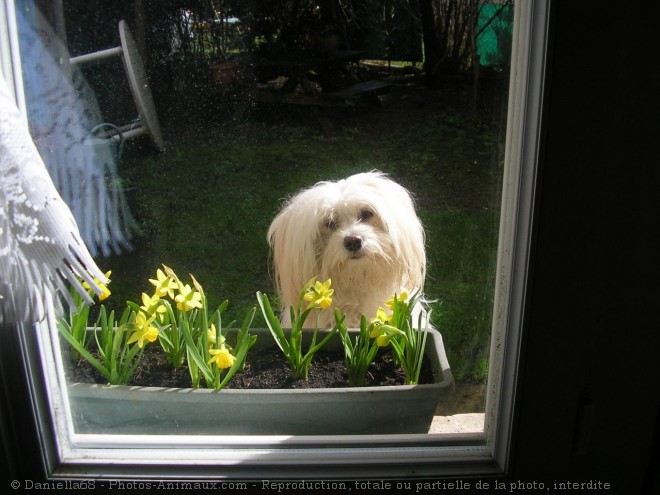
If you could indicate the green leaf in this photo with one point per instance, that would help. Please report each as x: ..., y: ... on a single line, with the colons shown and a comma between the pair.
x: 243, y: 345
x: 273, y: 323
x: 84, y: 352
x: 194, y: 353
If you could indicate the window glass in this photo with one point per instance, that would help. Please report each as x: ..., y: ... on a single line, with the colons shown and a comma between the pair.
x: 176, y: 130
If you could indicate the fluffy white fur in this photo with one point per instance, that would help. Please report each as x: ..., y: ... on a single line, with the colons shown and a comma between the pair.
x: 362, y: 232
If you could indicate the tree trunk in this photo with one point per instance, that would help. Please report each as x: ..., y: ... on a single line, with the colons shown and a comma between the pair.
x: 448, y: 28
x: 433, y: 49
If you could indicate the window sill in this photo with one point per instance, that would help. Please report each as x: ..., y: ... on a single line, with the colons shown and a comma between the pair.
x: 472, y: 423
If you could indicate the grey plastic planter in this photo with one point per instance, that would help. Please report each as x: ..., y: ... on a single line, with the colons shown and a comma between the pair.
x: 336, y: 411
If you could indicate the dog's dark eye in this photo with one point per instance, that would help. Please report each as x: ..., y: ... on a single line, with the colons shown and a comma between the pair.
x: 366, y: 215
x: 330, y: 224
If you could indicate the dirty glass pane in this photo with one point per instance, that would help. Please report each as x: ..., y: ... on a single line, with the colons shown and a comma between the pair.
x: 175, y: 131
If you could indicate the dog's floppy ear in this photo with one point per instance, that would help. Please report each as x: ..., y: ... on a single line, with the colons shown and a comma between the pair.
x: 397, y: 210
x: 410, y: 235
x: 291, y: 237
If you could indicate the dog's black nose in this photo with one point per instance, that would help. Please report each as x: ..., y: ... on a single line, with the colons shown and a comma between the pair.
x: 353, y: 243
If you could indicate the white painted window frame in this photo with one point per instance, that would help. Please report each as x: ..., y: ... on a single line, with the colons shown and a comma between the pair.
x: 68, y: 454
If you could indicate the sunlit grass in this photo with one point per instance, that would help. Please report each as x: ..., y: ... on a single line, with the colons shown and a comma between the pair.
x: 206, y: 202
x: 462, y: 274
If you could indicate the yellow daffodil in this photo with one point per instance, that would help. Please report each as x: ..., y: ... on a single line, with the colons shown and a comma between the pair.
x: 403, y: 297
x: 143, y: 330
x: 152, y: 304
x: 142, y: 323
x: 222, y: 358
x: 384, y: 334
x: 319, y: 295
x: 211, y: 335
x: 382, y: 318
x: 105, y: 292
x: 164, y: 284
x: 187, y: 298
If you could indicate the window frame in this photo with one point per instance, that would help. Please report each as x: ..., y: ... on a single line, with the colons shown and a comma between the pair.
x: 66, y: 454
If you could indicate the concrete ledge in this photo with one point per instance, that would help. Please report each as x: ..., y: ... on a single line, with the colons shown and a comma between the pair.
x: 458, y: 423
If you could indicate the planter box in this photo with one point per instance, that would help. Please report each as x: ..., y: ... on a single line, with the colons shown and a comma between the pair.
x: 337, y: 411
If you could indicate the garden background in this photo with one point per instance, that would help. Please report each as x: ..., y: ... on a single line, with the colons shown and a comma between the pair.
x: 203, y: 204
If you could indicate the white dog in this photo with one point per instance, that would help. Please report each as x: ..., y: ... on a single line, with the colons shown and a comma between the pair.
x: 362, y: 232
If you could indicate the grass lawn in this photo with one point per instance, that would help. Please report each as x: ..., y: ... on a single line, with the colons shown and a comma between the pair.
x: 205, y: 203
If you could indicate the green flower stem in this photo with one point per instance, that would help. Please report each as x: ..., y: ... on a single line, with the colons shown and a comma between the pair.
x: 182, y: 333
x: 78, y: 323
x: 358, y: 355
x: 118, y: 360
x: 199, y: 355
x: 292, y: 346
x: 243, y: 344
x: 171, y: 339
x: 75, y: 343
x: 410, y: 345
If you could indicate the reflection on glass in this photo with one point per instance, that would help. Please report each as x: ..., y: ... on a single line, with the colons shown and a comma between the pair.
x: 255, y: 103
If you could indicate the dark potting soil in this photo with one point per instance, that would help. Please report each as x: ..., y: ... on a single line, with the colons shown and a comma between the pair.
x: 267, y: 369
